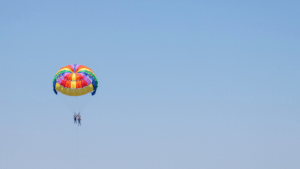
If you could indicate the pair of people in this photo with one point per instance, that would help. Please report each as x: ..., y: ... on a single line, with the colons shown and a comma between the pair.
x: 77, y: 117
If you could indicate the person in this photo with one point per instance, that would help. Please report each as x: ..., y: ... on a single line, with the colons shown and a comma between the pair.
x: 79, y: 119
x: 75, y: 116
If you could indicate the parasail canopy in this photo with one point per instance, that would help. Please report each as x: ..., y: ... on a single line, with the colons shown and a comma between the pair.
x: 75, y: 80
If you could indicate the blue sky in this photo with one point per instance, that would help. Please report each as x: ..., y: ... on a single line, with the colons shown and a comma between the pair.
x: 182, y: 84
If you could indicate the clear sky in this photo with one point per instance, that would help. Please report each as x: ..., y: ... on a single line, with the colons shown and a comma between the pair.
x: 182, y: 84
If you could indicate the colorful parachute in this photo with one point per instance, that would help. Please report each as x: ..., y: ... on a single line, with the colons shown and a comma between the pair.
x: 75, y: 80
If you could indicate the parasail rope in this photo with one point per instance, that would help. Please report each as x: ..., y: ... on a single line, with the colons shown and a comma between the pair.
x: 64, y: 102
x: 77, y: 148
x: 86, y: 103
